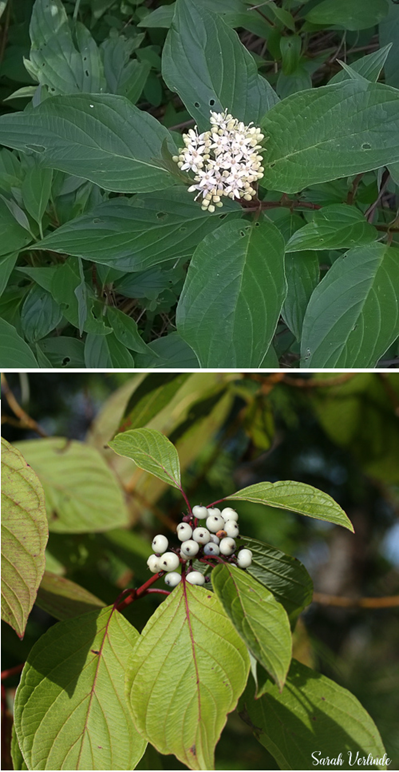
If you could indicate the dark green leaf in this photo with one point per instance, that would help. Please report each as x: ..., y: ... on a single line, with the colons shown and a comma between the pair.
x: 64, y: 599
x: 7, y: 264
x: 349, y: 14
x: 13, y: 236
x: 106, y: 351
x: 338, y: 226
x: 65, y: 282
x: 40, y: 314
x: 14, y: 352
x: 150, y: 397
x: 169, y: 352
x: 302, y: 273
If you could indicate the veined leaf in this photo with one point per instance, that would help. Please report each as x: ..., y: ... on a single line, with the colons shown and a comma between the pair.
x: 135, y: 235
x: 13, y: 236
x: 342, y: 129
x: 150, y: 397
x: 70, y: 711
x: 102, y: 138
x: 199, y: 50
x: 14, y: 352
x: 353, y: 315
x: 337, y: 226
x: 81, y: 492
x: 349, y: 14
x: 302, y: 273
x: 151, y: 451
x: 232, y: 298
x: 282, y: 574
x: 259, y: 619
x: 190, y: 660
x: 311, y: 719
x: 297, y: 497
x: 64, y: 599
x: 24, y: 534
x: 369, y: 66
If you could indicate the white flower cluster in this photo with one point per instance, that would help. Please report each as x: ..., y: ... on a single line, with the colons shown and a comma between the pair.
x: 216, y: 538
x: 225, y: 160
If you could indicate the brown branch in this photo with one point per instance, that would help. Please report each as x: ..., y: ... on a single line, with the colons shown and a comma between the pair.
x: 11, y: 671
x: 26, y: 422
x: 336, y: 600
x: 300, y: 383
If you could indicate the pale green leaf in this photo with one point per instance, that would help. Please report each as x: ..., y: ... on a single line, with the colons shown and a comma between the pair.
x: 206, y: 63
x: 259, y: 619
x: 296, y: 497
x: 231, y: 301
x: 102, y: 138
x: 151, y: 451
x: 151, y: 396
x: 70, y: 711
x: 81, y: 492
x: 14, y: 352
x: 337, y: 226
x: 64, y: 599
x: 189, y: 660
x: 353, y: 315
x: 24, y: 534
x: 312, y: 715
x: 340, y: 130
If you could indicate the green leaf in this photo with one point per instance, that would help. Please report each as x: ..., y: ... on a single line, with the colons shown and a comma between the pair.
x: 102, y: 138
x: 70, y: 710
x: 296, y: 497
x: 16, y: 755
x: 349, y: 14
x: 311, y: 719
x: 282, y: 574
x: 36, y: 189
x: 290, y: 48
x: 63, y: 351
x: 369, y: 66
x: 151, y: 451
x: 337, y: 226
x: 199, y: 50
x: 14, y: 352
x: 7, y: 264
x: 196, y: 674
x: 60, y: 63
x: 13, y: 236
x: 40, y: 314
x: 126, y: 330
x: 124, y: 75
x: 259, y: 619
x: 302, y: 273
x: 82, y: 494
x: 340, y: 130
x: 66, y: 289
x: 64, y: 599
x: 389, y: 33
x: 168, y: 352
x: 353, y: 315
x: 232, y: 298
x: 137, y: 234
x: 150, y: 397
x: 106, y: 351
x: 24, y: 534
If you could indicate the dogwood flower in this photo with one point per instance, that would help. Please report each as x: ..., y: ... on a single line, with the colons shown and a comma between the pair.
x: 225, y: 160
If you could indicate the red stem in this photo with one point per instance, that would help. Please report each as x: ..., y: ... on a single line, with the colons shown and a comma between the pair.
x: 161, y: 592
x: 11, y: 671
x: 134, y: 594
x: 186, y: 500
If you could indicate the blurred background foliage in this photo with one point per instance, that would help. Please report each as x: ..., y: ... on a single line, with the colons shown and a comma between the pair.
x: 338, y: 432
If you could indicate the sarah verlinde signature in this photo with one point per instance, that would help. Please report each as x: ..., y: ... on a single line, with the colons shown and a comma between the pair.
x: 354, y: 760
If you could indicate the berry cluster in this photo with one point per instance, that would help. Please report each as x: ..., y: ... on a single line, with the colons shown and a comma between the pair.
x: 224, y: 160
x: 216, y: 538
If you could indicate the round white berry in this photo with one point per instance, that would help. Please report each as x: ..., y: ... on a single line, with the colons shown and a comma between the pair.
x: 153, y: 564
x: 213, y: 511
x: 201, y: 535
x: 172, y: 579
x: 215, y: 538
x: 189, y: 548
x: 194, y: 577
x: 160, y: 543
x: 169, y: 561
x: 244, y: 558
x: 184, y: 531
x: 231, y: 528
x: 227, y: 546
x: 211, y: 549
x: 200, y: 512
x: 229, y: 514
x: 214, y: 523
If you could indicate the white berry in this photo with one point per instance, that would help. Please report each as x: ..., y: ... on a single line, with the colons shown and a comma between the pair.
x: 153, y: 564
x: 200, y: 512
x: 213, y: 511
x: 229, y: 514
x: 227, y: 546
x: 194, y: 577
x: 172, y: 579
x: 201, y: 535
x: 160, y: 543
x: 184, y: 531
x: 169, y: 561
x: 211, y: 549
x: 214, y: 523
x: 244, y: 558
x: 231, y: 528
x: 215, y: 538
x: 189, y: 548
